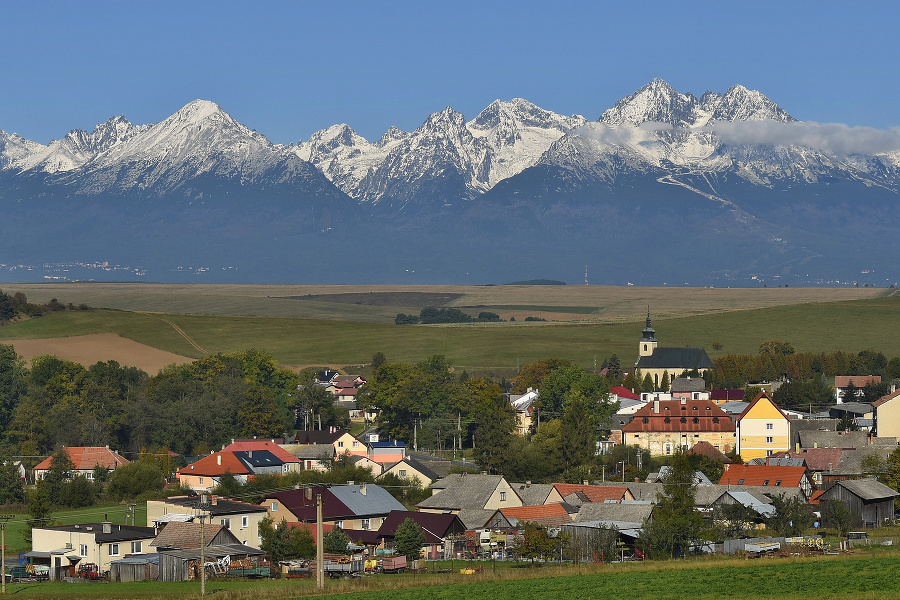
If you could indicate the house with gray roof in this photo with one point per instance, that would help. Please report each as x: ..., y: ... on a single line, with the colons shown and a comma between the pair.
x: 869, y: 500
x: 533, y: 494
x: 460, y: 491
x: 834, y: 439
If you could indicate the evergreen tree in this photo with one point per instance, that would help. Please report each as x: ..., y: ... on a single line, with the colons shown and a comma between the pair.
x: 409, y: 539
x: 614, y: 367
x: 578, y: 430
x: 282, y: 542
x: 851, y: 393
x: 677, y: 524
x: 335, y: 541
x: 495, y: 424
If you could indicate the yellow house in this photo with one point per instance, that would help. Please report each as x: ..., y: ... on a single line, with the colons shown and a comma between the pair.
x: 97, y: 543
x: 762, y: 429
x: 887, y: 415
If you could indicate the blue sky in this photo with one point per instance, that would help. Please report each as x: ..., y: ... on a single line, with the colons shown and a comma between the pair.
x: 288, y: 69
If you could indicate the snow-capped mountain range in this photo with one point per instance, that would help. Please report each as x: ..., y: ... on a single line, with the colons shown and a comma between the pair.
x: 656, y: 140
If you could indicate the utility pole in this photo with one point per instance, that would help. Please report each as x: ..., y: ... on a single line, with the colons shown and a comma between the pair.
x: 320, y: 545
x: 4, y: 519
x: 202, y: 505
x: 415, y: 435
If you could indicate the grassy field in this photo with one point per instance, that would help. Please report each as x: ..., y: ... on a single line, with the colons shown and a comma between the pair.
x: 115, y: 513
x: 825, y: 577
x: 346, y: 325
x: 822, y: 326
x: 381, y: 303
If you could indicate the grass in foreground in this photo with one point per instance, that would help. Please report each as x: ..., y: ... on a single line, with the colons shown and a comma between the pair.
x: 869, y: 575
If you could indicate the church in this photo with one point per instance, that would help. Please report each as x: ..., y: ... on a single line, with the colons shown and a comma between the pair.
x: 670, y: 362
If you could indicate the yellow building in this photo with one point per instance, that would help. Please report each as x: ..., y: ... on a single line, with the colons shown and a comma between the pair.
x: 763, y: 429
x: 660, y: 362
x: 887, y: 415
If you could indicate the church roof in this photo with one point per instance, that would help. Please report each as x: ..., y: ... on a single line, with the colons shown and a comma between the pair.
x: 675, y: 359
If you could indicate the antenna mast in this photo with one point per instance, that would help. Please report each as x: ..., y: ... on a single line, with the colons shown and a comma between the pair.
x: 585, y: 275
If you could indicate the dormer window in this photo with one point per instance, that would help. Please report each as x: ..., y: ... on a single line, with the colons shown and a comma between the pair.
x: 684, y: 419
x: 696, y: 420
x: 647, y: 420
x: 695, y: 408
x: 667, y: 420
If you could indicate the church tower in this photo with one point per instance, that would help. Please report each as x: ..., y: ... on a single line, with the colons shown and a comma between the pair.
x: 648, y: 340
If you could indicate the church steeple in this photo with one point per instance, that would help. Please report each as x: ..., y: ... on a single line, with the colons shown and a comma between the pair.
x: 648, y: 339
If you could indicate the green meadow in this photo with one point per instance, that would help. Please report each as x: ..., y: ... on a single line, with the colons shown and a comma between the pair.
x: 865, y: 576
x: 851, y: 325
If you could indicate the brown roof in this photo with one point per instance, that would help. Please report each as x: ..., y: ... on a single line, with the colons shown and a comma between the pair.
x: 186, y: 535
x: 680, y: 415
x: 86, y: 458
x: 594, y: 493
x: 758, y: 399
x: 885, y: 399
x: 819, y: 459
x: 842, y: 381
x: 708, y: 450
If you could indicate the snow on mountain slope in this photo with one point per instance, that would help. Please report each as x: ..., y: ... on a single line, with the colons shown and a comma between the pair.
x: 14, y: 148
x: 198, y: 139
x: 518, y: 133
x: 346, y: 157
x: 79, y: 147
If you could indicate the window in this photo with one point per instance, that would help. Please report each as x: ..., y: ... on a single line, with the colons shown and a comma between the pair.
x: 226, y: 523
x: 778, y: 482
x: 769, y: 440
x: 89, y: 475
x: 365, y: 523
x: 340, y: 444
x: 768, y: 453
x: 82, y: 550
x: 402, y: 472
x: 355, y: 444
x: 245, y: 521
x: 113, y: 549
x: 740, y: 482
x: 637, y: 435
x: 766, y: 482
x: 201, y: 481
x: 137, y: 547
x: 274, y: 507
x: 502, y: 496
x: 339, y: 524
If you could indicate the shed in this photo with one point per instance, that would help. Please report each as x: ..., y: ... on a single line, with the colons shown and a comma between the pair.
x: 140, y: 567
x: 184, y: 564
x: 869, y: 500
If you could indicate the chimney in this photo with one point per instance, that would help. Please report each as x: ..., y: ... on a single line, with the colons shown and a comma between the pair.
x: 797, y: 447
x: 362, y: 488
x: 215, y: 500
x: 249, y: 453
x: 528, y: 483
x: 656, y: 406
x: 351, y: 482
x: 219, y: 459
x: 107, y: 527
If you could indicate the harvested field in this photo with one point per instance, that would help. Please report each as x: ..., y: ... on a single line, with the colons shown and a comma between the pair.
x: 596, y: 304
x: 89, y: 349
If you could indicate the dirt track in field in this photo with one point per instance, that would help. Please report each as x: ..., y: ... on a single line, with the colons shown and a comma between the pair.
x: 89, y: 349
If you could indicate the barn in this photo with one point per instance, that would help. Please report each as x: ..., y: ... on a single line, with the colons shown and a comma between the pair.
x: 869, y: 500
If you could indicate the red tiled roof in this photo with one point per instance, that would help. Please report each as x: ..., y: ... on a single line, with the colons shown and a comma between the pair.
x: 594, y: 493
x: 816, y: 497
x: 86, y: 458
x: 819, y: 459
x: 211, y: 466
x: 763, y: 475
x: 250, y: 445
x: 682, y: 415
x: 624, y: 392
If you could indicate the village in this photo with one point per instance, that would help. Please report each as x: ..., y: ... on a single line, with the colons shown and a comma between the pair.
x: 758, y: 479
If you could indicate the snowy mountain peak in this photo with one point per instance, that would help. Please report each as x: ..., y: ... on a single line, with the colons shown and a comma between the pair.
x: 197, y: 111
x: 393, y: 134
x: 657, y: 102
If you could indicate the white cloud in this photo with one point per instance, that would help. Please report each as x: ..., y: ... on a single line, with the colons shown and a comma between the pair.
x: 835, y: 138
